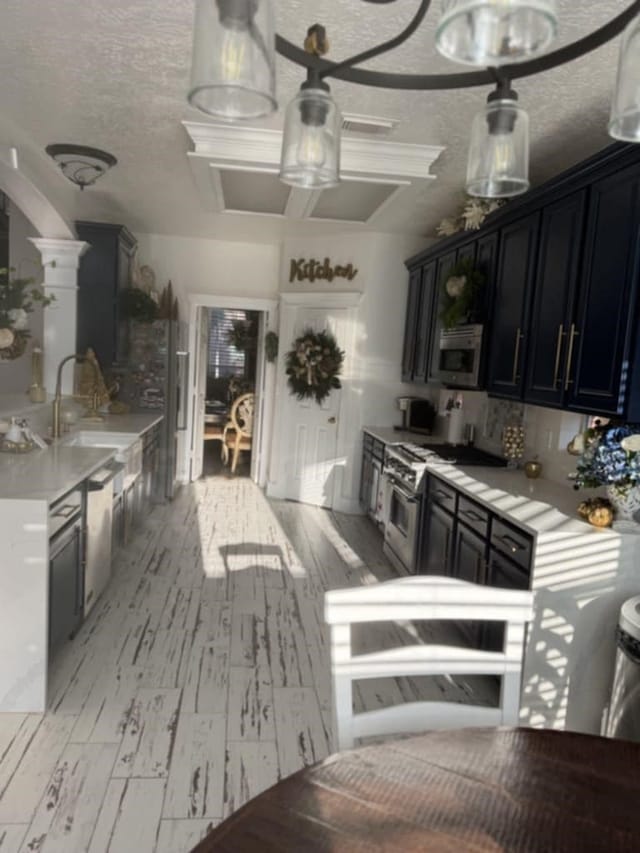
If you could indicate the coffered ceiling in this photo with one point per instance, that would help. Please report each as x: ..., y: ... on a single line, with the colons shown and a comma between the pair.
x: 114, y: 75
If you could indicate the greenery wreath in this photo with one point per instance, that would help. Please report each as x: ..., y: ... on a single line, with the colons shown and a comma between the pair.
x: 460, y: 291
x: 313, y: 365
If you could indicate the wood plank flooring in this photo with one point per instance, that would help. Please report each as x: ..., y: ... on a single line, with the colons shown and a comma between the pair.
x: 200, y: 678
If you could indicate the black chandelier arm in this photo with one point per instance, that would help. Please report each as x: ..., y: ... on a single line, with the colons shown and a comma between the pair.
x: 408, y: 31
x: 468, y: 79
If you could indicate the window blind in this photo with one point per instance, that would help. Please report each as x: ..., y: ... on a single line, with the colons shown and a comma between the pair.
x: 224, y: 359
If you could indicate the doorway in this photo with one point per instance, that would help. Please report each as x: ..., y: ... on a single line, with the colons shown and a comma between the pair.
x: 226, y: 337
x: 232, y: 345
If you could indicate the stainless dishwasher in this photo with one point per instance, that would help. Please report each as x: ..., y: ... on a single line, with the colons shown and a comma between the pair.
x: 65, y: 567
x: 99, y: 532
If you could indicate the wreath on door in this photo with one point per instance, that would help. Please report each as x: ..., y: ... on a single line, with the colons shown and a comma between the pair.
x: 313, y: 365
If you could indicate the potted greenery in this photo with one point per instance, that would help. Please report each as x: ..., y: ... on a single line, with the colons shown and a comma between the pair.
x: 18, y: 299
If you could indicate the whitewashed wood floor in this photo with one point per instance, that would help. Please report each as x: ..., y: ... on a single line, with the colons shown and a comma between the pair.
x: 200, y: 678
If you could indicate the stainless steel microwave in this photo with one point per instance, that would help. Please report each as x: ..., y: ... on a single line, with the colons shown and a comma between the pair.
x: 457, y: 360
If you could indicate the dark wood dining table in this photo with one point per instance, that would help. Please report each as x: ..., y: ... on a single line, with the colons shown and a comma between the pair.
x: 464, y: 790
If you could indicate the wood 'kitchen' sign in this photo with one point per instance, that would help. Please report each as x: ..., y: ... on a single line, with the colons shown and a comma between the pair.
x: 312, y: 270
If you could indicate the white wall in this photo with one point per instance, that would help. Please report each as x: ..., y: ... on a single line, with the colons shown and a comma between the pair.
x: 211, y: 266
x: 373, y: 381
x: 15, y: 376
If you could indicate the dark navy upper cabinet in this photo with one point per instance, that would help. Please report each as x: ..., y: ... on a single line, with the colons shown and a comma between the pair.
x: 558, y: 265
x: 419, y: 324
x: 443, y: 270
x: 601, y: 367
x: 411, y: 325
x: 425, y: 323
x: 508, y: 330
x: 103, y: 274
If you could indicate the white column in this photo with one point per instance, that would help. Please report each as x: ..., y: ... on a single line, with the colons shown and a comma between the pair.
x: 60, y: 260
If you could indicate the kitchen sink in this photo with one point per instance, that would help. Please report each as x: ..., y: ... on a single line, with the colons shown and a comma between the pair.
x: 127, y: 446
x: 95, y: 438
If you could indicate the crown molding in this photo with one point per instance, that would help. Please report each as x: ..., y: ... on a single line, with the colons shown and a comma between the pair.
x: 224, y: 145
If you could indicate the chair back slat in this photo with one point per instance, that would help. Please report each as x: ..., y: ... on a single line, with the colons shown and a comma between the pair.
x: 424, y: 599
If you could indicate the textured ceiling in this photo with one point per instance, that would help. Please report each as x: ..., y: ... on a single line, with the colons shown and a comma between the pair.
x: 114, y: 75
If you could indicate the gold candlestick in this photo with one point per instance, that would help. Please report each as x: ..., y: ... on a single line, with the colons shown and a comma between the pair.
x: 37, y: 394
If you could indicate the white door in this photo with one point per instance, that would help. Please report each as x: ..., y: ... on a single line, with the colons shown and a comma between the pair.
x: 308, y: 465
x: 199, y: 393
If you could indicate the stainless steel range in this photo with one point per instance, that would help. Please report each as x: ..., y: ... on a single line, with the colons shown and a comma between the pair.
x: 404, y: 471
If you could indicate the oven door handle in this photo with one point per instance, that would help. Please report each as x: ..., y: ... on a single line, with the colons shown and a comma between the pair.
x: 409, y: 498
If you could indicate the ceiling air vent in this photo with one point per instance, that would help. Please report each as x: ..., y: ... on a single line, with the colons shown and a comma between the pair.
x: 371, y: 125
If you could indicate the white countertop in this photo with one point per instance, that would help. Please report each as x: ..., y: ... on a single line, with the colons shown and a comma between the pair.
x: 48, y: 474
x: 390, y: 435
x: 541, y: 506
x: 138, y: 422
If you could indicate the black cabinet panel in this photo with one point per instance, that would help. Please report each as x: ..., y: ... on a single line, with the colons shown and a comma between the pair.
x: 411, y: 325
x: 102, y: 275
x: 469, y: 561
x: 469, y: 555
x: 516, y: 268
x: 437, y: 540
x: 502, y: 573
x: 606, y: 321
x: 559, y: 253
x: 443, y: 270
x: 425, y: 323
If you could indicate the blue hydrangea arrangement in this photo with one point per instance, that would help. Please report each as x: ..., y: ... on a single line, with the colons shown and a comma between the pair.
x: 611, y: 456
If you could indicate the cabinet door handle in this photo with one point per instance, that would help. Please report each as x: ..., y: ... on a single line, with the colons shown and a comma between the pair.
x: 469, y: 513
x: 573, y: 334
x: 561, y: 334
x: 513, y: 546
x: 516, y: 356
x: 445, y: 495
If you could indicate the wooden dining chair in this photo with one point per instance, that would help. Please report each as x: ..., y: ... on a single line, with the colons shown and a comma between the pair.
x: 239, y: 428
x: 422, y: 599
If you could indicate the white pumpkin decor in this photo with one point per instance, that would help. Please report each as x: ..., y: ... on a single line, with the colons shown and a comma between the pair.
x: 19, y: 318
x: 7, y: 338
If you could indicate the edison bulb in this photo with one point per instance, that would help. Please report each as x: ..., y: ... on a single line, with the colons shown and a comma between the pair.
x: 500, y: 155
x: 311, y: 147
x: 234, y: 53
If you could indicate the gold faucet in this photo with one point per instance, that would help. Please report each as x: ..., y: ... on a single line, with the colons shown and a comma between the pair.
x: 57, y: 400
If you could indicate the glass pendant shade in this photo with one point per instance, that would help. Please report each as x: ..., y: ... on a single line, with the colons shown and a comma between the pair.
x: 498, y: 165
x: 233, y: 63
x: 311, y: 141
x: 625, y: 110
x: 495, y: 32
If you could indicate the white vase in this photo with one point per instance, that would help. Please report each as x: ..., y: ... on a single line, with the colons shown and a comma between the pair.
x: 625, y: 499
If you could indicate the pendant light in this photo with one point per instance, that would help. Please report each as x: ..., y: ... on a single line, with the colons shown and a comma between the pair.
x: 311, y: 138
x: 233, y: 66
x: 498, y: 165
x: 625, y: 110
x: 495, y: 32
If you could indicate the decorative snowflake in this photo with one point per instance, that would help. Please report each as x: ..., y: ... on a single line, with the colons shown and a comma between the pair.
x: 448, y: 227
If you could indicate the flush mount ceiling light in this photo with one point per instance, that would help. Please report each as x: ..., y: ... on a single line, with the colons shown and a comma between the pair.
x: 80, y: 164
x: 233, y: 78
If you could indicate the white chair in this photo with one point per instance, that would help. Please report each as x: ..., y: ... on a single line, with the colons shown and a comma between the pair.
x: 420, y: 599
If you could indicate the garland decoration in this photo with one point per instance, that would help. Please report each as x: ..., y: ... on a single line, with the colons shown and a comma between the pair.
x: 313, y: 365
x: 460, y: 292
